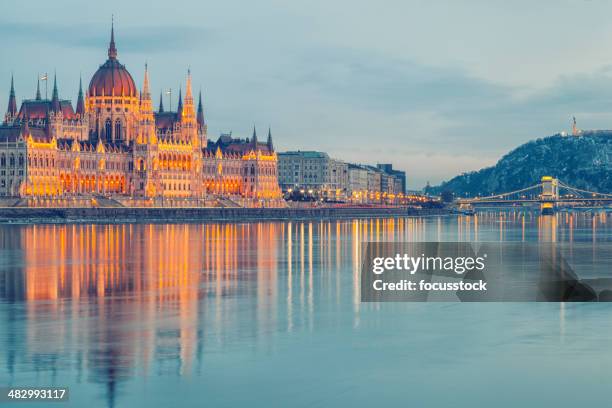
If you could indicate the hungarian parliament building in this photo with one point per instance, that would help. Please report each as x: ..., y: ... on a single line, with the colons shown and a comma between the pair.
x: 114, y: 148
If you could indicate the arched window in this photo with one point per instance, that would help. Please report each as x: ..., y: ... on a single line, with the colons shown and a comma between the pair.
x: 108, y: 129
x: 12, y: 160
x: 118, y: 135
x: 2, y: 160
x: 21, y: 160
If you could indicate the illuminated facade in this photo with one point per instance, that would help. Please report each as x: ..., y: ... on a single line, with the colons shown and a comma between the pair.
x: 313, y: 170
x: 115, y: 146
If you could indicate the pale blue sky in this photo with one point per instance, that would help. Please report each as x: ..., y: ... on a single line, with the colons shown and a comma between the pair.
x: 436, y: 88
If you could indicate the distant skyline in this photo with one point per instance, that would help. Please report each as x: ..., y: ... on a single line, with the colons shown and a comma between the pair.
x: 436, y: 89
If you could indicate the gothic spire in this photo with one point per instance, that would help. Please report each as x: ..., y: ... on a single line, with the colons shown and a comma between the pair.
x: 12, y: 104
x: 161, y: 102
x: 145, y: 86
x: 55, y: 104
x: 200, y: 116
x: 179, y: 110
x: 254, y: 139
x: 38, y: 88
x: 55, y: 92
x: 80, y: 109
x: 112, y: 50
x: 270, y: 145
x: 188, y: 94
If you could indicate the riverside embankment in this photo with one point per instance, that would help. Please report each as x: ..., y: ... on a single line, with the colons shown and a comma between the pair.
x: 174, y: 215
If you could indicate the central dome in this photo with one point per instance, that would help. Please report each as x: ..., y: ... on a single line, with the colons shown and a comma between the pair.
x: 112, y: 78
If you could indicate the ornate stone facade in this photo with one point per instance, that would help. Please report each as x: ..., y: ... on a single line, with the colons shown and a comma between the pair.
x: 115, y: 146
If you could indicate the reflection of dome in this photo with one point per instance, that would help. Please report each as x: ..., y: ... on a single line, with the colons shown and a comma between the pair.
x: 112, y: 78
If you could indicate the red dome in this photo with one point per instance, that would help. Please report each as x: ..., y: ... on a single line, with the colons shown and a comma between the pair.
x: 112, y: 79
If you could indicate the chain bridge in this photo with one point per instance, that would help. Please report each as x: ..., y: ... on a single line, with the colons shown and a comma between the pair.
x: 549, y: 194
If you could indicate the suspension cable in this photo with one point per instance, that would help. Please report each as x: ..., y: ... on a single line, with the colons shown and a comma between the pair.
x: 507, y: 194
x: 561, y: 184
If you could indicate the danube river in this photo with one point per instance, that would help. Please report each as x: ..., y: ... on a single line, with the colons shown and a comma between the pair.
x: 268, y: 314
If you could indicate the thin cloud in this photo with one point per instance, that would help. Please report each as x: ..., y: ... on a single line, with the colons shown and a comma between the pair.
x: 149, y: 39
x: 376, y: 81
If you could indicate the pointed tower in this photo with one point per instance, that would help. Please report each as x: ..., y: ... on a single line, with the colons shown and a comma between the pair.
x: 112, y: 49
x: 254, y: 138
x: 190, y: 134
x: 161, y: 102
x: 11, y: 111
x: 179, y: 110
x: 187, y: 115
x: 269, y: 143
x: 202, y: 127
x: 189, y: 108
x: 38, y: 98
x: 80, y: 108
x: 55, y: 103
x: 200, y: 116
x: 146, y: 94
x: 146, y: 180
x: 55, y: 123
x: 147, y: 120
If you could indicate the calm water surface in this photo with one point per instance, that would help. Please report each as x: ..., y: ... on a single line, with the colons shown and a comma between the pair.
x: 268, y: 315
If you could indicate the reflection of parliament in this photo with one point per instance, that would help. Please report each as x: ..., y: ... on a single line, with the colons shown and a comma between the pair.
x: 114, y: 148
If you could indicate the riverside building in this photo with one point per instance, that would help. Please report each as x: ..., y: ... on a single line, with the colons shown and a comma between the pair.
x: 115, y: 146
x: 313, y: 171
x: 399, y: 176
x: 321, y: 175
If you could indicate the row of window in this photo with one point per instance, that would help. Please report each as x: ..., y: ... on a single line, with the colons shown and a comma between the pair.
x: 110, y: 100
x: 46, y: 162
x: 49, y: 162
x: 10, y: 173
x: 12, y: 160
x: 226, y: 170
x: 117, y: 110
x: 177, y: 186
x: 288, y: 167
x: 108, y: 129
x: 167, y: 186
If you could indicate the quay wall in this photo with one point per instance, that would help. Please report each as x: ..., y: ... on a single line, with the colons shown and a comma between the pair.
x: 179, y: 215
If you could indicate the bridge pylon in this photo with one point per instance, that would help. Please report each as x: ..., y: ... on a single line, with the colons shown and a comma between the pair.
x: 550, y: 195
x: 550, y: 188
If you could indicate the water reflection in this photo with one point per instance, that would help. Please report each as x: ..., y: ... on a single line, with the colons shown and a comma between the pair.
x: 103, y: 304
